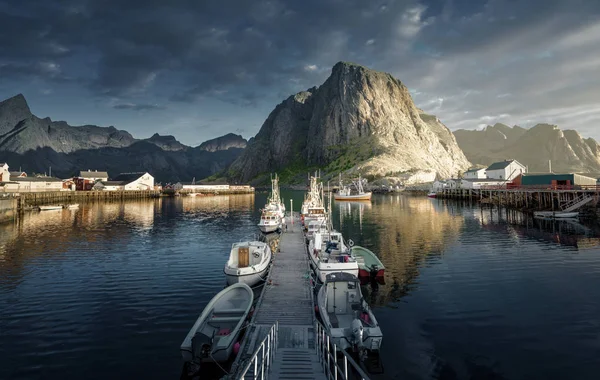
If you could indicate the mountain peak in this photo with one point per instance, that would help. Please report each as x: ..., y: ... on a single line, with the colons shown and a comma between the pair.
x: 225, y: 142
x: 12, y: 111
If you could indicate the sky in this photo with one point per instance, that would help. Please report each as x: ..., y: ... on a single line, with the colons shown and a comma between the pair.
x: 200, y: 69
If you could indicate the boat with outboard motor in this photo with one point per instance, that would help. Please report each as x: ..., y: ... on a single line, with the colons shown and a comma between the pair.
x: 369, y: 265
x: 346, y: 315
x: 248, y: 262
x: 213, y: 336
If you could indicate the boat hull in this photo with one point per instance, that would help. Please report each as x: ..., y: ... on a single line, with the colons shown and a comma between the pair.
x: 323, y: 269
x: 556, y: 215
x: 355, y: 197
x: 248, y: 279
x: 47, y: 208
x: 221, y: 303
x: 269, y: 228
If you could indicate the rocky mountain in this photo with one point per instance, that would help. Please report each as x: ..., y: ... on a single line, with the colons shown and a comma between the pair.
x: 533, y: 147
x: 358, y: 119
x: 225, y: 142
x: 35, y: 144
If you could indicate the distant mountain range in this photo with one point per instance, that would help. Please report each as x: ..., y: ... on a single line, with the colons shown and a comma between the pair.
x: 359, y: 120
x: 533, y: 147
x: 35, y: 144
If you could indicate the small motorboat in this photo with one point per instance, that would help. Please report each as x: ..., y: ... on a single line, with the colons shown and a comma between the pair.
x: 432, y: 194
x: 369, y: 265
x: 270, y: 221
x: 556, y: 214
x: 248, y: 262
x: 346, y: 315
x: 329, y: 254
x: 216, y: 331
x: 46, y: 208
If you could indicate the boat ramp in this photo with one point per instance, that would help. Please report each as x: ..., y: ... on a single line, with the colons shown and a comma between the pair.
x: 285, y: 341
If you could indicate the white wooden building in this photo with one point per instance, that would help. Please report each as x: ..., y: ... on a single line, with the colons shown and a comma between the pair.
x: 93, y: 175
x: 505, y: 170
x: 439, y: 186
x: 127, y: 181
x: 474, y: 173
x: 4, y: 173
x: 482, y: 183
x: 32, y: 184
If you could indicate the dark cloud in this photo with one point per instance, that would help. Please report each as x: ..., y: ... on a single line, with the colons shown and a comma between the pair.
x: 138, y: 107
x: 468, y: 62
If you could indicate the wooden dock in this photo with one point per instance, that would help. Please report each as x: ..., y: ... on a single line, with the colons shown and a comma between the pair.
x: 524, y: 198
x: 65, y: 197
x: 287, y: 299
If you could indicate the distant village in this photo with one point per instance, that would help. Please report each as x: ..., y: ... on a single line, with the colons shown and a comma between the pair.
x: 511, y: 174
x: 94, y: 180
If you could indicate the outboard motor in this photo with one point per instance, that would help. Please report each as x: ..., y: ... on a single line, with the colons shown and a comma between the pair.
x: 201, y: 345
x: 357, y: 332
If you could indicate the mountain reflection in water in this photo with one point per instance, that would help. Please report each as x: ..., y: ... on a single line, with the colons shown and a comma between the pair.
x: 111, y: 289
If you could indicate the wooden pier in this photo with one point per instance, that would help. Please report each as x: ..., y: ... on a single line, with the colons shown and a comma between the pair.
x: 287, y: 299
x: 528, y: 198
x: 25, y: 200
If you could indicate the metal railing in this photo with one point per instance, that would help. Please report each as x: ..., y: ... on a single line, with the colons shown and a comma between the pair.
x: 327, y: 353
x: 263, y: 356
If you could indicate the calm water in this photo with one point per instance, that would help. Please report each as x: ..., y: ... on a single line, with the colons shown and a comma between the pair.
x: 110, y: 290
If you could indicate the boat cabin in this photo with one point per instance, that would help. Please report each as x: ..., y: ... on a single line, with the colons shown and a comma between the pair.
x: 343, y: 298
x: 243, y: 255
x: 331, y: 248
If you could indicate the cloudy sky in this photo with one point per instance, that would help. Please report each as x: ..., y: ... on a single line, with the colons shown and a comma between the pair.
x: 199, y: 69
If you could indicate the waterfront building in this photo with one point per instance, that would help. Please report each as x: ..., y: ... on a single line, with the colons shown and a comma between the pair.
x: 505, y: 170
x: 475, y: 173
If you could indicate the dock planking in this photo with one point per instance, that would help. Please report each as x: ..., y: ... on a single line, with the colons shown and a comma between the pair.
x: 288, y: 299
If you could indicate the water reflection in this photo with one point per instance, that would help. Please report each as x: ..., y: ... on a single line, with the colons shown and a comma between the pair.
x: 404, y: 232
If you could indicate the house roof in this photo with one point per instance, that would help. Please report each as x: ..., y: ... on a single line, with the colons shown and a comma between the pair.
x: 499, y: 165
x: 93, y: 174
x: 473, y: 170
x: 15, y: 174
x: 34, y: 179
x: 3, y: 163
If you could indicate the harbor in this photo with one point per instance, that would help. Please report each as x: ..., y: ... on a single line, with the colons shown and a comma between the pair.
x: 145, y: 270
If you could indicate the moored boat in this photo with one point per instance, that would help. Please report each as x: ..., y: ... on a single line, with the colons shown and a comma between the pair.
x: 46, y: 208
x: 369, y: 265
x: 328, y: 254
x: 217, y: 329
x: 270, y: 221
x: 432, y: 194
x: 556, y: 214
x: 345, y: 192
x: 73, y: 206
x: 346, y: 315
x: 248, y: 262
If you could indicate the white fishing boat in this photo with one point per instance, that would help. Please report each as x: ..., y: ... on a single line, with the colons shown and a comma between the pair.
x: 248, y: 262
x: 47, y: 208
x: 346, y: 315
x: 345, y: 192
x: 270, y: 221
x: 312, y: 208
x: 216, y: 331
x: 329, y: 253
x: 274, y: 203
x: 556, y: 214
x: 315, y: 226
